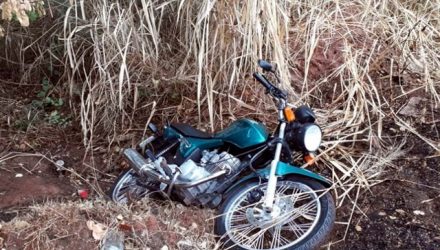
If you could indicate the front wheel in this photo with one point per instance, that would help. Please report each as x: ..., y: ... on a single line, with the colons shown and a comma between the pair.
x: 302, y: 216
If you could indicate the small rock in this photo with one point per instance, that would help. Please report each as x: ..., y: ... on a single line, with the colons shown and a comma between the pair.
x: 164, y: 247
x: 60, y: 165
x: 119, y: 217
x: 18, y: 175
x: 358, y: 228
x: 22, y: 147
x: 381, y: 213
x: 411, y: 108
x: 19, y: 224
x: 400, y: 211
x: 193, y: 226
x: 418, y: 212
x: 393, y: 217
x: 98, y: 229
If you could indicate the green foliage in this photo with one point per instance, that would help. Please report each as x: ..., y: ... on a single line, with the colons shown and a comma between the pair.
x: 33, y: 16
x: 45, y: 102
x: 56, y: 118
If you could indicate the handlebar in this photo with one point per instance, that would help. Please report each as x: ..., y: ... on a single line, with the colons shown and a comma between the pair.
x: 274, y: 91
x: 263, y: 81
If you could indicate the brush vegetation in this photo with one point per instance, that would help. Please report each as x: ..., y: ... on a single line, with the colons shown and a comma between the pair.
x: 354, y: 62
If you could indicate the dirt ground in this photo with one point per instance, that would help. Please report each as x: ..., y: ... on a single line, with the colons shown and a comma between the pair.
x: 402, y: 212
x: 399, y: 213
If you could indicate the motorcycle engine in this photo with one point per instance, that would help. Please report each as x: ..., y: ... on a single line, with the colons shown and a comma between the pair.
x: 210, y: 162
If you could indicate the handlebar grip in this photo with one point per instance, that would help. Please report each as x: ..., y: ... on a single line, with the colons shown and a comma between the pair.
x: 274, y: 91
x: 263, y: 81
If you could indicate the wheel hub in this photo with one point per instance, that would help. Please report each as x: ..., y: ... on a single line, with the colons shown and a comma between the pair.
x: 258, y: 217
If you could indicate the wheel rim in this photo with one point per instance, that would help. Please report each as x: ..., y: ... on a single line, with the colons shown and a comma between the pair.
x: 296, y: 213
x: 128, y: 188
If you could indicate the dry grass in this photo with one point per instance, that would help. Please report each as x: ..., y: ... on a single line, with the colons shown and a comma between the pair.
x: 356, y: 62
x: 148, y: 224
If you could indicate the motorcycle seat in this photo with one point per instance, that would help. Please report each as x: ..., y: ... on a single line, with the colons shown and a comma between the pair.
x: 190, y: 131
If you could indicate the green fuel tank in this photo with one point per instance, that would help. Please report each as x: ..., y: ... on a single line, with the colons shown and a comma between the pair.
x: 244, y: 133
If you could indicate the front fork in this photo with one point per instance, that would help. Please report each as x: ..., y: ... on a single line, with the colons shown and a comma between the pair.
x: 272, y: 183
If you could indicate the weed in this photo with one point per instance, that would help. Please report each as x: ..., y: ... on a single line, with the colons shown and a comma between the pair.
x: 56, y: 118
x: 44, y: 99
x: 46, y: 102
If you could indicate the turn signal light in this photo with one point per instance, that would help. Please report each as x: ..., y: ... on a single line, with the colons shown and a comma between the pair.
x: 310, y: 159
x: 289, y: 114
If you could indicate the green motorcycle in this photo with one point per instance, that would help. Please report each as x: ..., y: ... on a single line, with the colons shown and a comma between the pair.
x: 264, y: 201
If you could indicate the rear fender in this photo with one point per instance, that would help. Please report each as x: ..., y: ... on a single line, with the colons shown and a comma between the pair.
x: 283, y: 169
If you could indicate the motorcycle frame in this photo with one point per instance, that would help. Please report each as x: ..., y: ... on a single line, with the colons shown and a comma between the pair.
x: 276, y: 168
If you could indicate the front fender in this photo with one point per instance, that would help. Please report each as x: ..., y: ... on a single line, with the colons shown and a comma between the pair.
x: 283, y: 169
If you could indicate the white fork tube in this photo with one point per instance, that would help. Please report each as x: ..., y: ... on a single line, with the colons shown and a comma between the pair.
x: 272, y: 183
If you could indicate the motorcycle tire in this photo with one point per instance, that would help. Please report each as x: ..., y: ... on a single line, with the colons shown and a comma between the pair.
x: 316, y: 235
x: 143, y: 188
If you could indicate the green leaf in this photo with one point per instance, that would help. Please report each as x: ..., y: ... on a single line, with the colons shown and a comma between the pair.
x: 37, y: 103
x: 57, y: 102
x: 48, y: 101
x: 33, y: 16
x: 41, y: 94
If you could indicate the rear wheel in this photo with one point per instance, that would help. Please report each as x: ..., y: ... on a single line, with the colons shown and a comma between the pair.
x: 302, y: 216
x: 130, y: 186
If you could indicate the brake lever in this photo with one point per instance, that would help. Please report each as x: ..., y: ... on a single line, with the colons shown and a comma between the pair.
x: 279, y: 93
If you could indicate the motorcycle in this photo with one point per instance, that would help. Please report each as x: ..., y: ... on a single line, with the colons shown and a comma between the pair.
x: 263, y: 200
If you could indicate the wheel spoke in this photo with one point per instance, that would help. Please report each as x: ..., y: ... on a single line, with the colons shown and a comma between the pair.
x: 238, y: 217
x: 250, y: 227
x: 297, y: 229
x: 128, y: 188
x: 275, y: 237
x: 308, y: 211
x: 237, y: 228
x: 257, y: 238
x: 283, y: 189
x: 242, y: 235
x: 300, y: 197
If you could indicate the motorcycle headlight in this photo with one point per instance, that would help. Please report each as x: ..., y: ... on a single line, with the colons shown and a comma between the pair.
x: 312, y: 137
x: 306, y: 137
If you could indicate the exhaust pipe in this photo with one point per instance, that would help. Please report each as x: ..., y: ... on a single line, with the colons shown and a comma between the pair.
x: 141, y: 166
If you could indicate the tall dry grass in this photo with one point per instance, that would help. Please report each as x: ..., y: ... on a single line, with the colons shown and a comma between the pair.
x: 340, y: 56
